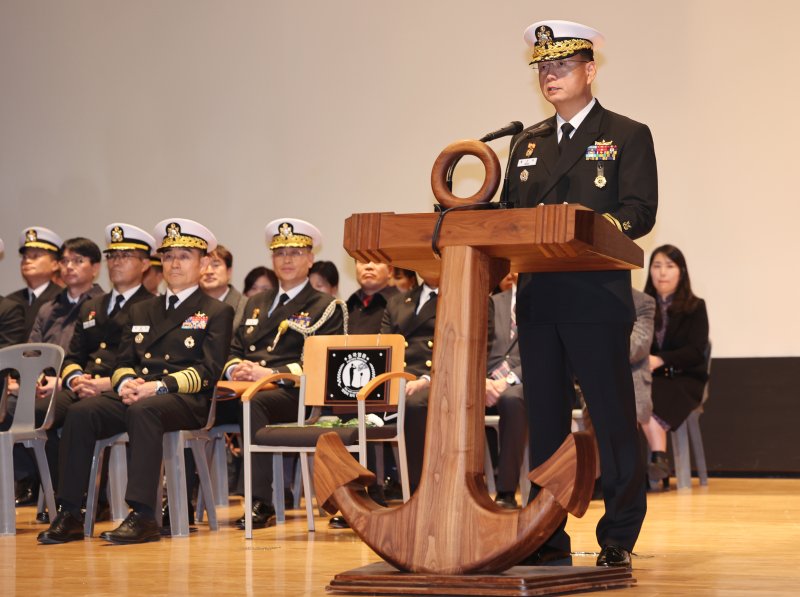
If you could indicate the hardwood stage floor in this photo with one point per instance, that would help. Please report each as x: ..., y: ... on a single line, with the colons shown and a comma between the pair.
x: 735, y: 537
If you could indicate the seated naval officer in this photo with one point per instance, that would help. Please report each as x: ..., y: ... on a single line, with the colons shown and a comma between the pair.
x: 89, y: 362
x: 171, y: 355
x: 261, y: 347
x: 40, y: 250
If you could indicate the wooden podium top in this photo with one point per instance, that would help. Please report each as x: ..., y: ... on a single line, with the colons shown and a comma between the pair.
x: 547, y: 238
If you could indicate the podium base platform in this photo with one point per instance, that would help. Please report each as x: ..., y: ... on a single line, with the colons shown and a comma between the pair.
x: 382, y: 579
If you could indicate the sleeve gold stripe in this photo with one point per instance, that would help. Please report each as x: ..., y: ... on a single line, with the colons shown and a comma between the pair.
x: 295, y: 369
x: 231, y: 363
x: 69, y: 370
x: 119, y: 374
x: 189, y: 381
x: 613, y: 220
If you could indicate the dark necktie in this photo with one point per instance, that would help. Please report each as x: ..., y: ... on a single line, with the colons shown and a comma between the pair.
x: 117, y: 305
x: 282, y: 298
x: 31, y: 296
x: 173, y: 301
x: 566, y: 129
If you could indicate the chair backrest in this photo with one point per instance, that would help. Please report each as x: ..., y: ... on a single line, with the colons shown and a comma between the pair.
x: 337, y: 367
x: 30, y: 361
x: 708, y: 372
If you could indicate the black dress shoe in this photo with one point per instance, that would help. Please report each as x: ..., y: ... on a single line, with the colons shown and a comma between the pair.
x: 613, y: 555
x: 27, y: 493
x: 338, y: 522
x: 658, y: 468
x: 43, y: 517
x: 263, y: 516
x: 65, y: 528
x: 136, y: 528
x: 548, y: 556
x: 166, y: 525
x: 506, y: 499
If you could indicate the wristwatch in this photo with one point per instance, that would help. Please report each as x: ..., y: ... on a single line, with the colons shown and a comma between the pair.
x: 512, y: 379
x: 161, y: 388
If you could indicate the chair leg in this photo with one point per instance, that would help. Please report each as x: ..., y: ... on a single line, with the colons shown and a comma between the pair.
x: 307, y: 490
x: 8, y: 513
x: 680, y: 450
x: 297, y: 485
x: 206, y: 486
x: 380, y: 471
x: 175, y: 471
x: 488, y: 469
x: 699, y: 452
x: 93, y: 492
x: 219, y: 470
x: 402, y: 467
x: 118, y: 480
x: 278, y: 487
x: 524, y: 483
x: 44, y: 475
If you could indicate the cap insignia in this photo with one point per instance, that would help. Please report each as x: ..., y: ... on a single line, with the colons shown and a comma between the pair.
x: 30, y: 236
x: 544, y: 35
x: 286, y: 230
x: 116, y: 235
x: 173, y: 231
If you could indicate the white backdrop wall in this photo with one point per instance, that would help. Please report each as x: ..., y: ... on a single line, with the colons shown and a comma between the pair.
x: 236, y: 112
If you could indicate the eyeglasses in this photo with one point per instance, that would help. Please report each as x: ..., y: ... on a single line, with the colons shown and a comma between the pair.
x: 559, y: 68
x: 289, y: 253
x: 75, y: 261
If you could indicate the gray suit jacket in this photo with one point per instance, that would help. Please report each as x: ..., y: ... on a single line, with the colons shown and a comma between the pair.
x: 238, y: 301
x: 502, y: 347
x: 641, y: 340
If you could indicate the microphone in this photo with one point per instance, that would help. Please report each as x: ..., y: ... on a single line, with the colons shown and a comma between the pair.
x: 512, y: 128
x: 544, y: 128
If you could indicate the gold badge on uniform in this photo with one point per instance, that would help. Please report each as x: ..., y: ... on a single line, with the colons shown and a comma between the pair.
x: 523, y: 176
x: 600, y: 180
x: 529, y: 152
x: 250, y: 330
x: 189, y: 342
x: 139, y: 337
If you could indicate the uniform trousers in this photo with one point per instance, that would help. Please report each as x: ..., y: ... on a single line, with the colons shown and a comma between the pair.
x: 597, y: 354
x: 146, y: 421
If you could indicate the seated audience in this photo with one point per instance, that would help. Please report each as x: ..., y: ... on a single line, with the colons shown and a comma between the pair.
x: 258, y: 280
x: 172, y: 351
x: 216, y: 282
x: 504, y: 394
x: 678, y: 354
x: 154, y: 276
x: 324, y: 276
x: 404, y: 280
x: 641, y: 341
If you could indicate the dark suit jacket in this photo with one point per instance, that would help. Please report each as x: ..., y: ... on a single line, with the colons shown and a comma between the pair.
x: 21, y: 296
x: 184, y: 348
x: 12, y: 322
x: 400, y: 317
x: 367, y: 320
x: 257, y: 331
x: 502, y: 347
x: 97, y: 336
x: 685, y: 343
x: 55, y: 321
x: 630, y: 195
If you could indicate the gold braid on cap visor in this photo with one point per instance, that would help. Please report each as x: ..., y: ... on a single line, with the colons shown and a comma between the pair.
x: 127, y: 246
x: 300, y: 241
x: 183, y: 241
x: 558, y: 49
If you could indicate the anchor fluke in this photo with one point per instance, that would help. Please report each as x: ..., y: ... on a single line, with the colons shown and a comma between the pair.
x: 335, y: 467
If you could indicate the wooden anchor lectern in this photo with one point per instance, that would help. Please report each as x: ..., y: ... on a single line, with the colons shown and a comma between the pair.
x: 450, y: 537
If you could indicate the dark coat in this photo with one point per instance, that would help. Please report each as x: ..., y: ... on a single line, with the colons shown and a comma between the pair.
x: 400, y: 317
x: 12, y: 322
x: 97, y: 336
x: 630, y: 196
x: 367, y: 320
x: 678, y: 385
x: 21, y: 296
x: 257, y: 331
x: 55, y: 321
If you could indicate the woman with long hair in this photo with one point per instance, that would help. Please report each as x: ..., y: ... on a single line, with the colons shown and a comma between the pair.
x: 679, y: 354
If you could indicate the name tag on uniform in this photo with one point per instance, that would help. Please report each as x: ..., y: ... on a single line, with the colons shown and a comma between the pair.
x: 89, y: 324
x: 526, y: 162
x: 142, y: 329
x: 251, y: 322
